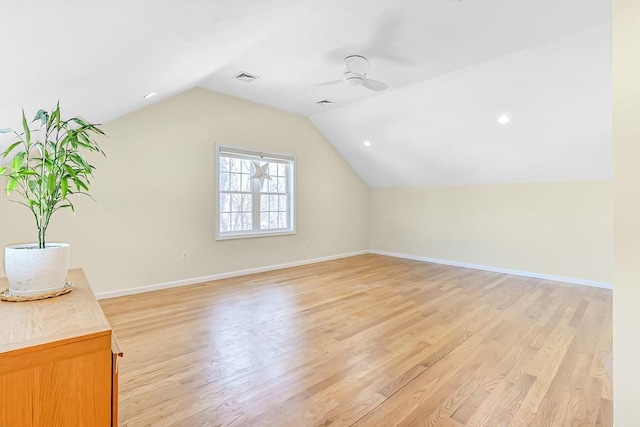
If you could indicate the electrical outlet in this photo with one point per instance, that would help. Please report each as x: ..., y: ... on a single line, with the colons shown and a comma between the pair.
x: 184, y: 256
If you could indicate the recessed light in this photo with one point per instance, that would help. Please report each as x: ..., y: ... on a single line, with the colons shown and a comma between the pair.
x: 367, y: 144
x: 503, y: 119
x: 324, y: 102
x: 150, y: 94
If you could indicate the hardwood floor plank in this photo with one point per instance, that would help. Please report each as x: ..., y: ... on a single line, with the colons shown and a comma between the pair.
x: 507, y: 403
x: 605, y: 413
x: 366, y: 341
x: 470, y: 405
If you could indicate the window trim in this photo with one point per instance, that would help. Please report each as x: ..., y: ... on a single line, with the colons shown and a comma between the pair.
x: 243, y: 151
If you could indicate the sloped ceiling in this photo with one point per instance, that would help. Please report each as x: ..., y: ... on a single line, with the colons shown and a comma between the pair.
x: 452, y: 67
x: 445, y: 130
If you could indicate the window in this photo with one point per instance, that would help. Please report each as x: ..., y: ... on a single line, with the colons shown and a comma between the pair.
x: 254, y: 193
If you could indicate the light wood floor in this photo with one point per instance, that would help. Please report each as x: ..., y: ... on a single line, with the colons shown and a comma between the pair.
x: 366, y: 341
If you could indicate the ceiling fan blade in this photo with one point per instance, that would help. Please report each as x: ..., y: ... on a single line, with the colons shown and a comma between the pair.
x: 375, y: 85
x: 335, y: 82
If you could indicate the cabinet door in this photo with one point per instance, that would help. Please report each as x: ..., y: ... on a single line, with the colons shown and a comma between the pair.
x: 65, y: 385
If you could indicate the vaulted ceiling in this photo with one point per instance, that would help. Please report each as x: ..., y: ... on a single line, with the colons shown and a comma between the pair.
x: 452, y: 68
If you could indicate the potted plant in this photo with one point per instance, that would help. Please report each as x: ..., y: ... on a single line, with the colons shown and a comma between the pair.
x: 47, y: 166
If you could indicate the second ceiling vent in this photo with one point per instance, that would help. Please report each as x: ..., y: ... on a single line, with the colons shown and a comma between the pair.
x: 245, y: 77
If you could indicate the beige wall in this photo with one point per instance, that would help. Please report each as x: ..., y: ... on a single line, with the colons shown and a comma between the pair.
x: 505, y: 225
x: 626, y: 194
x: 155, y: 196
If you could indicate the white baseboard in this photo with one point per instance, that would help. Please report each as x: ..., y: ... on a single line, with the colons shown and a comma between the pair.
x: 196, y: 280
x: 552, y: 277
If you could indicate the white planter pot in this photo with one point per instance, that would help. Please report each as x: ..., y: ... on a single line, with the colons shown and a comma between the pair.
x: 34, y: 271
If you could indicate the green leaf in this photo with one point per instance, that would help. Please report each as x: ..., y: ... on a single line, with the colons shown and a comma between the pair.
x: 70, y: 171
x: 25, y: 172
x: 25, y: 126
x: 11, y: 185
x: 85, y: 141
x: 42, y: 116
x: 96, y: 130
x: 51, y: 183
x: 79, y: 121
x: 68, y: 205
x: 80, y: 161
x: 55, y: 116
x: 3, y: 169
x: 10, y: 148
x: 80, y: 184
x: 16, y: 163
x: 64, y: 186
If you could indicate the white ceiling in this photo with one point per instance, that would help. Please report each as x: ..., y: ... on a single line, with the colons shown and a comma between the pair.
x: 446, y: 63
x: 444, y: 131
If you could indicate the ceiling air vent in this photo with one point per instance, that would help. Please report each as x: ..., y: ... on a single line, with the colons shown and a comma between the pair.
x: 245, y: 77
x: 324, y: 102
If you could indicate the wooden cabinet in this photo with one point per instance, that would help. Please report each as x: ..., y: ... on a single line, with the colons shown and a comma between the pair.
x: 58, y: 361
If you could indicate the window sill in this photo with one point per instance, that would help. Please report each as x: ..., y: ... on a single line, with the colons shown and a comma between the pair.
x: 253, y: 235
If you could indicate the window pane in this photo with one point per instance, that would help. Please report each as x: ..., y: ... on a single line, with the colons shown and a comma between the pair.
x: 234, y: 165
x: 235, y: 221
x: 283, y: 219
x: 224, y: 222
x: 240, y: 221
x: 224, y: 164
x: 264, y: 220
x: 224, y: 181
x: 246, y: 203
x: 273, y: 203
x: 273, y: 169
x: 225, y: 205
x: 245, y: 182
x: 247, y: 167
x: 265, y: 185
x: 234, y: 182
x: 268, y: 186
x: 281, y: 186
x: 282, y: 203
x: 273, y: 220
x: 281, y: 169
x: 246, y: 221
x: 236, y: 202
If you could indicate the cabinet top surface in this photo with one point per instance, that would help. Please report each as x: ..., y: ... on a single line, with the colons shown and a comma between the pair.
x: 67, y: 317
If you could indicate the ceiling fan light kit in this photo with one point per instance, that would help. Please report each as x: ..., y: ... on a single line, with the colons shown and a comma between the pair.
x: 356, y: 74
x: 353, y: 79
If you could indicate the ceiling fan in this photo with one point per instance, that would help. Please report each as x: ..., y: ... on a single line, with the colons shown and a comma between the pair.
x: 356, y: 74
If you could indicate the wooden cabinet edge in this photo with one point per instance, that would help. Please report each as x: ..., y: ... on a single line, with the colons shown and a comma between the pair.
x: 27, y: 358
x: 116, y: 354
x: 115, y: 346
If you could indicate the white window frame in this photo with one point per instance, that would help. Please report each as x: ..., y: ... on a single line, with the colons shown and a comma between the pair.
x: 264, y: 157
